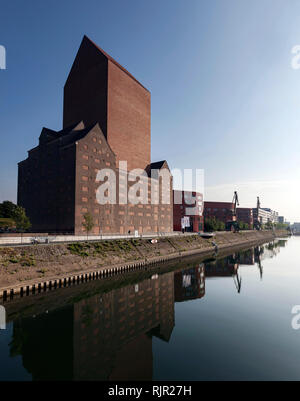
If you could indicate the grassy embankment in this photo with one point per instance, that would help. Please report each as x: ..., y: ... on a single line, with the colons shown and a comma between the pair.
x: 21, y: 264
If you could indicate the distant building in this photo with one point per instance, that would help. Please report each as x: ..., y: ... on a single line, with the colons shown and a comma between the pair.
x: 222, y: 211
x: 188, y: 205
x: 265, y: 215
x: 296, y: 227
x: 273, y: 215
x: 245, y: 215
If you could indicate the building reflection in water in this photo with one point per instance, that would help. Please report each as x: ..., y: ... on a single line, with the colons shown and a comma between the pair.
x: 113, y: 332
x: 226, y: 267
x: 104, y: 337
x: 189, y: 283
x: 109, y: 336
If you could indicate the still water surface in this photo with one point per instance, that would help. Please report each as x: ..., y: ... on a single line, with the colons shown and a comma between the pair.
x: 224, y: 319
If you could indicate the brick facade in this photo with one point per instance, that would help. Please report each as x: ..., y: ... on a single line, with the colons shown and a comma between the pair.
x: 106, y: 120
x: 58, y: 186
x: 245, y: 215
x: 222, y: 211
x: 182, y: 206
x: 99, y: 90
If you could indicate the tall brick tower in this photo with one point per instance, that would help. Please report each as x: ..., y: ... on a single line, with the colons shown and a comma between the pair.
x: 99, y: 90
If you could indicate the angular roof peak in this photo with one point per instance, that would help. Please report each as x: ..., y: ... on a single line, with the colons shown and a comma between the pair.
x: 86, y: 41
x: 157, y: 166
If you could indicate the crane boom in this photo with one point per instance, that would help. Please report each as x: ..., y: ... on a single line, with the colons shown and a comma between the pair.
x: 235, y: 201
x: 232, y: 224
x: 257, y: 223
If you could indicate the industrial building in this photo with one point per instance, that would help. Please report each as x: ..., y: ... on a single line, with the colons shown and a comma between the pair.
x: 245, y: 215
x: 188, y: 211
x: 273, y: 215
x: 295, y: 228
x: 265, y: 215
x: 106, y: 126
x: 222, y: 211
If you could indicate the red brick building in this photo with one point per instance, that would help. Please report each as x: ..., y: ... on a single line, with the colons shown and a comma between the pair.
x: 106, y: 121
x: 245, y: 215
x: 190, y: 205
x: 222, y: 211
x: 100, y: 90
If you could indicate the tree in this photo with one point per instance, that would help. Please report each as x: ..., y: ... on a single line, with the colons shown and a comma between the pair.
x: 88, y: 223
x: 15, y: 214
x: 212, y: 224
x: 282, y: 226
x: 269, y: 225
x: 8, y: 209
x: 6, y: 223
x: 22, y: 221
x: 243, y: 226
x: 221, y: 225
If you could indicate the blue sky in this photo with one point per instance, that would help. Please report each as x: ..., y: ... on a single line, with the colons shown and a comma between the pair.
x: 224, y: 95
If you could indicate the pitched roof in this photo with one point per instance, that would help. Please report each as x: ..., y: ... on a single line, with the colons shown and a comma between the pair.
x: 66, y: 136
x: 157, y: 165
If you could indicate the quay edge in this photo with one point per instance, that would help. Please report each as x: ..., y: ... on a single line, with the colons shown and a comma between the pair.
x: 90, y: 268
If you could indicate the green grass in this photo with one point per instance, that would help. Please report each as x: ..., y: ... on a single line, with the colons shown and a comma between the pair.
x: 100, y: 248
x: 78, y: 249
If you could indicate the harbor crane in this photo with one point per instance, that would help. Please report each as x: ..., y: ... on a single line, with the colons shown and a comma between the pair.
x: 232, y: 224
x: 257, y: 223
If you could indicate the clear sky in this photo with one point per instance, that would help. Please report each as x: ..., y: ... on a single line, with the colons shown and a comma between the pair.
x: 225, y: 97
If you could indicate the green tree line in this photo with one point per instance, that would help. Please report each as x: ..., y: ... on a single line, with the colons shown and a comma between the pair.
x: 13, y: 216
x: 213, y: 224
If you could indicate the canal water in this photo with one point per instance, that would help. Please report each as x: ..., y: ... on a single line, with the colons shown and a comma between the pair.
x: 218, y: 319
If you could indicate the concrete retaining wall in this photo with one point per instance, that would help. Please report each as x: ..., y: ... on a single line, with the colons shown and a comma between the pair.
x: 35, y: 286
